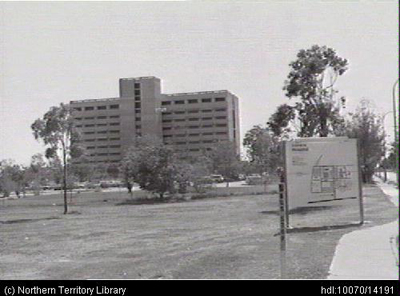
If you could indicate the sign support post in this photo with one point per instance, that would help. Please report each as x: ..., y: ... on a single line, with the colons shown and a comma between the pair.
x: 282, y: 211
x: 360, y: 195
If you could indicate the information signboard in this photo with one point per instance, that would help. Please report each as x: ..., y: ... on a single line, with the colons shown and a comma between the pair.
x: 321, y: 170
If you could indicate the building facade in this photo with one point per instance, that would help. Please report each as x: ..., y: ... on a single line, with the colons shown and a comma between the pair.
x: 190, y: 122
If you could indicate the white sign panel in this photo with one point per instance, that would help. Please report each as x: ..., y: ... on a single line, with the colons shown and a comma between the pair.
x: 320, y: 170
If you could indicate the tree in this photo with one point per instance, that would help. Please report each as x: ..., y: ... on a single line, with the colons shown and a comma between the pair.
x: 366, y: 126
x: 224, y: 160
x: 311, y: 81
x: 56, y: 130
x: 263, y: 149
x: 12, y: 178
x: 152, y: 165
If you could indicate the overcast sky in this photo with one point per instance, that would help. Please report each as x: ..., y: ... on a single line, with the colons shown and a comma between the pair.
x: 52, y: 52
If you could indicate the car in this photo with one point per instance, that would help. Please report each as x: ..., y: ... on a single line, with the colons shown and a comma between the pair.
x: 217, y: 178
x: 254, y: 179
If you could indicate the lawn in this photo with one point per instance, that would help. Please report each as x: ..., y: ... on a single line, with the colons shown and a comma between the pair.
x: 225, y: 237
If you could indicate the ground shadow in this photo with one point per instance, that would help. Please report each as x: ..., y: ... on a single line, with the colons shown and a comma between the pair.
x: 27, y: 220
x: 321, y: 228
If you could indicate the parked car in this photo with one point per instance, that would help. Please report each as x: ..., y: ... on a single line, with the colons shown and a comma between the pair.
x: 217, y: 178
x: 254, y: 179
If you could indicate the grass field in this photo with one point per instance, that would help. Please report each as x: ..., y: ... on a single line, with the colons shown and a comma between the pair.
x: 226, y: 237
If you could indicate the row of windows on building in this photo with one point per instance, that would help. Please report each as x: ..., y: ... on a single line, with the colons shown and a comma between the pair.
x: 102, y: 107
x: 98, y: 124
x: 101, y: 140
x: 192, y: 142
x: 106, y: 154
x: 103, y: 147
x: 193, y: 101
x: 194, y: 111
x: 102, y: 132
x: 98, y: 117
x: 193, y: 119
x: 167, y: 128
x: 195, y: 135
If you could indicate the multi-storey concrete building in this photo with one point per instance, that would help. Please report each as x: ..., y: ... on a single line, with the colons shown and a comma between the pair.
x: 191, y: 122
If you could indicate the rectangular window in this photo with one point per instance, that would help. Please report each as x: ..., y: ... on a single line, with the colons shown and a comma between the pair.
x: 220, y: 99
x: 180, y: 102
x: 114, y: 106
x: 137, y: 92
x: 115, y: 146
x: 138, y: 105
x: 206, y: 118
x: 207, y: 125
x: 193, y: 111
x: 221, y: 133
x: 90, y: 140
x: 115, y: 139
x: 102, y: 132
x: 167, y: 120
x: 179, y: 112
x: 220, y: 109
x: 167, y: 128
x: 115, y: 153
x: 102, y: 139
x: 167, y: 136
x: 192, y: 101
x: 137, y: 85
x: 193, y: 126
x: 180, y: 119
x: 220, y: 117
x: 208, y: 141
x: 138, y: 126
x: 206, y: 111
x: 180, y: 143
x: 208, y: 134
x: 89, y: 125
x: 194, y: 150
x: 221, y: 125
x: 78, y: 118
x: 79, y: 125
x: 164, y: 103
x: 208, y: 100
x: 101, y: 107
x: 88, y: 133
x: 89, y: 118
x: 114, y: 116
x: 138, y: 118
x: 137, y: 111
x: 194, y: 135
x: 90, y: 147
x: 114, y: 123
x: 89, y: 108
x: 101, y: 117
x: 114, y: 132
x: 137, y: 99
x: 102, y: 124
x: 180, y: 135
x: 78, y: 109
x: 102, y: 147
x: 194, y: 119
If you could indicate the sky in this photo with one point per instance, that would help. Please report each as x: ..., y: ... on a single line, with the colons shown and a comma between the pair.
x: 53, y: 52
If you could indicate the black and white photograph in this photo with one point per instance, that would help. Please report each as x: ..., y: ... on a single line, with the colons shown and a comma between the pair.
x: 172, y: 140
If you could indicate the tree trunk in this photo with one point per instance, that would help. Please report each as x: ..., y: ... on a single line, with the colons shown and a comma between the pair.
x: 65, y: 181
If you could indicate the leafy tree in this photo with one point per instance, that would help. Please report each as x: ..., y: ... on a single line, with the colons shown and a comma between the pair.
x: 224, y: 160
x: 56, y: 130
x: 152, y: 165
x: 12, y: 178
x: 311, y: 82
x: 263, y: 149
x: 366, y: 126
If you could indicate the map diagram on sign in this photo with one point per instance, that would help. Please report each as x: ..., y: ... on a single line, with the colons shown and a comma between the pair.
x: 330, y: 179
